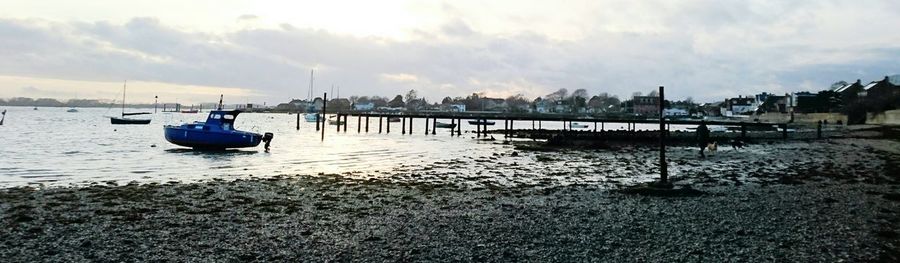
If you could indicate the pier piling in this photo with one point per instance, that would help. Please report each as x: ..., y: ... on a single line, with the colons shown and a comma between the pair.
x: 819, y: 130
x: 367, y: 123
x: 298, y: 121
x: 426, y: 125
x: 324, y: 105
x: 663, y: 167
x: 403, y: 127
x: 358, y: 123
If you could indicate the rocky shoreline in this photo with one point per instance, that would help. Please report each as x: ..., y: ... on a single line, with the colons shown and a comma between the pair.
x: 836, y: 200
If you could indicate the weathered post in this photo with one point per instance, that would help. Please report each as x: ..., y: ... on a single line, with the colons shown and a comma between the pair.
x: 345, y: 122
x: 452, y: 127
x: 595, y: 127
x: 819, y: 130
x: 663, y: 167
x: 539, y: 126
x: 388, y: 125
x: 358, y: 123
x: 459, y: 127
x: 317, y: 122
x: 298, y: 121
x: 784, y: 131
x: 511, y: 129
x: 426, y: 125
x: 324, y: 105
x: 433, y: 126
x: 338, y: 122
x: 410, y: 124
x: 379, y: 123
x: 477, y: 128
x: 403, y: 123
x: 743, y: 131
x: 367, y: 123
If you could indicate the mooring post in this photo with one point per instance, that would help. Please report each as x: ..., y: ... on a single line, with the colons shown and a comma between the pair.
x: 511, y: 127
x: 477, y: 128
x: 410, y: 124
x: 338, y: 122
x: 379, y: 123
x: 819, y: 130
x: 388, y: 125
x: 426, y: 125
x: 743, y: 131
x: 403, y: 122
x: 602, y: 124
x: 433, y: 126
x: 324, y: 105
x: 595, y: 127
x: 663, y: 167
x: 452, y: 127
x: 459, y: 127
x: 539, y: 126
x: 532, y: 124
x: 784, y: 131
x: 346, y: 120
x: 358, y: 123
x: 367, y: 123
x: 298, y: 121
x: 317, y: 122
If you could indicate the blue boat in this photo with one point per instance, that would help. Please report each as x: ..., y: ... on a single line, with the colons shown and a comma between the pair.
x: 216, y: 133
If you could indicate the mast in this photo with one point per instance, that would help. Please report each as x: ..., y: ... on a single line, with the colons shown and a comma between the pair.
x: 309, y: 92
x: 220, y: 101
x: 123, y: 97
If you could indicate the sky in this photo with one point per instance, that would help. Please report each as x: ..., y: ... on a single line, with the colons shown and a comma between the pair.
x: 263, y: 51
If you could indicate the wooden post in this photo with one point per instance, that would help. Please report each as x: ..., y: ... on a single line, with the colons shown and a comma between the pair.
x: 511, y: 129
x: 819, y: 130
x: 298, y: 121
x: 459, y: 127
x: 784, y: 131
x: 595, y: 126
x: 410, y: 125
x: 338, y: 122
x: 324, y: 105
x: 379, y: 123
x: 602, y: 124
x: 539, y: 126
x: 403, y: 122
x: 743, y: 131
x: 388, y: 125
x: 453, y: 129
x: 477, y: 128
x: 663, y: 167
x: 367, y: 123
x: 426, y: 125
x: 317, y: 121
x: 433, y: 126
x: 532, y: 124
x: 345, y: 122
x: 358, y: 123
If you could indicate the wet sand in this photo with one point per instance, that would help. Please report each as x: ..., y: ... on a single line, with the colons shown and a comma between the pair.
x: 798, y: 201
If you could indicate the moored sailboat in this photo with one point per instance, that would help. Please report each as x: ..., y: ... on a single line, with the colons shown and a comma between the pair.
x: 123, y: 120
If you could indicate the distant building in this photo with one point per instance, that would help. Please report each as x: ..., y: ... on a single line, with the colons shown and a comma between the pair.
x: 645, y: 105
x: 457, y: 107
x: 368, y: 106
x: 491, y: 104
x: 739, y: 105
x: 675, y: 113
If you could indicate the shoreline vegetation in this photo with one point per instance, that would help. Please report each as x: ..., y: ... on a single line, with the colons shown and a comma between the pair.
x: 817, y: 200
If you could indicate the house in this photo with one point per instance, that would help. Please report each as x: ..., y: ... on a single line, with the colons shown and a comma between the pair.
x: 712, y: 109
x: 766, y: 102
x: 739, y: 105
x: 880, y: 89
x: 850, y: 93
x: 491, y: 104
x: 367, y: 106
x: 540, y: 106
x: 457, y: 107
x: 675, y: 113
x: 645, y: 105
x: 802, y: 102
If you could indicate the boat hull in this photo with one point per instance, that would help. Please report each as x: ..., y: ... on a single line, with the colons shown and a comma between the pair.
x: 203, y: 139
x: 445, y: 125
x: 488, y: 123
x: 117, y: 121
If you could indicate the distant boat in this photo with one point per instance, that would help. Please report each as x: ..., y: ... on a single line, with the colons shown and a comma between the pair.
x: 575, y: 125
x: 70, y: 110
x: 35, y: 108
x: 444, y: 125
x: 332, y: 121
x: 216, y: 133
x: 192, y: 110
x: 481, y: 122
x: 3, y: 118
x: 123, y: 120
x: 310, y: 117
x: 393, y: 119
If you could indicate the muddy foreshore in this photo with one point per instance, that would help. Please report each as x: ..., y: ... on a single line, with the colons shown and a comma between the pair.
x: 802, y: 201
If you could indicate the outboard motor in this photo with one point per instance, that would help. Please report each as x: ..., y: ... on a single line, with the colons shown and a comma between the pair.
x: 267, y: 138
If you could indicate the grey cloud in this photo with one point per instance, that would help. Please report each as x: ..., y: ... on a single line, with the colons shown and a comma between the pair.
x: 709, y: 51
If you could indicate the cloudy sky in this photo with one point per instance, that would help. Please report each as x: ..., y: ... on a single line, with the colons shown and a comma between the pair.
x: 262, y: 51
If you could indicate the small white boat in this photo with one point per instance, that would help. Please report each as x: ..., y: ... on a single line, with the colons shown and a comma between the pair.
x: 575, y: 125
x: 310, y: 117
x: 72, y: 110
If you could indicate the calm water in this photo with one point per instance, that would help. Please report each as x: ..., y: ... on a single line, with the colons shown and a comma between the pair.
x: 53, y: 147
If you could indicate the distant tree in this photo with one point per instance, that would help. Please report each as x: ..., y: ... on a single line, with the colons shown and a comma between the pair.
x: 362, y: 100
x: 474, y: 102
x: 558, y: 95
x: 397, y: 102
x: 580, y: 93
x: 379, y: 101
x: 653, y: 93
x: 354, y: 98
x: 446, y: 100
x: 516, y: 102
x: 412, y: 95
x: 636, y: 93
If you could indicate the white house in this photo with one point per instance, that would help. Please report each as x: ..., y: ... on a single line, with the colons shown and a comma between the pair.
x: 675, y: 112
x: 457, y: 107
x: 364, y: 106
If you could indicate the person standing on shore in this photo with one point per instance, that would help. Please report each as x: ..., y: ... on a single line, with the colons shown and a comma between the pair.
x: 702, y: 137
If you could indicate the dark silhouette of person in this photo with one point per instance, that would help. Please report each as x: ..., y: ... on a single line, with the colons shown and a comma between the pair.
x: 702, y: 137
